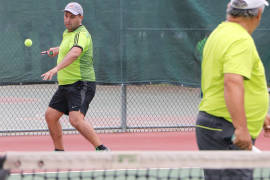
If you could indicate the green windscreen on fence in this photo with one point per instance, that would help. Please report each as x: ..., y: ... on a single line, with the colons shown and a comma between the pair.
x: 142, y: 41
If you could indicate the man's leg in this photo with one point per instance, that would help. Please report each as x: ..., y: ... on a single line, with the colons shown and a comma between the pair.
x: 80, y: 95
x: 76, y: 119
x: 52, y: 117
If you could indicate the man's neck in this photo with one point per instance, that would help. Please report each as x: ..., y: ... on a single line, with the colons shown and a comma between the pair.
x: 75, y: 28
x: 244, y: 22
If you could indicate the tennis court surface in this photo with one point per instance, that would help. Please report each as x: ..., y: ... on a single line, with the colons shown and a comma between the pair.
x: 174, y: 165
x: 151, y: 156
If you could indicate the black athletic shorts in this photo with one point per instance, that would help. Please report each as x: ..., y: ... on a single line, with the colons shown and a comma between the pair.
x: 73, y: 97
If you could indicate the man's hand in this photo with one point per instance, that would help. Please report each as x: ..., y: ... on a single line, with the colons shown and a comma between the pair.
x: 48, y: 75
x: 53, y: 51
x: 266, y: 126
x: 242, y: 139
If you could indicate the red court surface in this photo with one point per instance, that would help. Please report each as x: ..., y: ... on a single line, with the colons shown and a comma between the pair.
x: 162, y: 141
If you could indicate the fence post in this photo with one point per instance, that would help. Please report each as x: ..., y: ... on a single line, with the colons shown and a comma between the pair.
x: 124, y: 107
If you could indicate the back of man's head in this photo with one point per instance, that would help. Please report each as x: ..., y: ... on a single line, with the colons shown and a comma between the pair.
x: 245, y: 8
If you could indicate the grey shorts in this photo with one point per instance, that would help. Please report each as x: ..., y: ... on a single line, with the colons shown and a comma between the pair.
x: 73, y: 97
x: 214, y: 133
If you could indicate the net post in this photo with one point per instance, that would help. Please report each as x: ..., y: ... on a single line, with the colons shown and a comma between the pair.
x: 124, y: 107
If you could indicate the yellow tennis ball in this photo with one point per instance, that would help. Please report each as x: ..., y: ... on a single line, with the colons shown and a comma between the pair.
x: 28, y: 42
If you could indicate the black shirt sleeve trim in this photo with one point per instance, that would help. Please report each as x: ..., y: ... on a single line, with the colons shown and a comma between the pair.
x: 78, y: 46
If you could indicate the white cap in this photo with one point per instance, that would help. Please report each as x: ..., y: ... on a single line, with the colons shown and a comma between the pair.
x: 74, y: 8
x: 248, y: 4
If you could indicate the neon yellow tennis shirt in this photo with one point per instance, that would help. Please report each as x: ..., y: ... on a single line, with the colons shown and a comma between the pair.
x: 230, y: 49
x: 82, y: 68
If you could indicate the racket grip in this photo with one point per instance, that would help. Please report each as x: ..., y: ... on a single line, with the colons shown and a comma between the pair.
x: 47, y: 52
x: 233, y: 138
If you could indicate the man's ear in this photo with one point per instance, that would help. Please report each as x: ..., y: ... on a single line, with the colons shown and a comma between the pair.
x: 259, y: 16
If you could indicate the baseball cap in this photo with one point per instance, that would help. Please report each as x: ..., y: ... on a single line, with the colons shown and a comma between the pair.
x: 74, y: 8
x: 248, y: 4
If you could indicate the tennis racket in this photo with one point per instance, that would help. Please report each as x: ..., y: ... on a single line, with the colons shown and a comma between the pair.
x: 255, y: 149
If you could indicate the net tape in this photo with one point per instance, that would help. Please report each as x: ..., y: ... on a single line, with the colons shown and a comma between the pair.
x: 135, y: 160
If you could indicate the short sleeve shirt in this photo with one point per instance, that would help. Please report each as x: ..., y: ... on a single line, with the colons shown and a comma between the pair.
x: 230, y: 49
x: 82, y: 68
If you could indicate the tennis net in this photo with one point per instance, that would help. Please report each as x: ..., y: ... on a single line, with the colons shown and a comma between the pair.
x: 128, y: 165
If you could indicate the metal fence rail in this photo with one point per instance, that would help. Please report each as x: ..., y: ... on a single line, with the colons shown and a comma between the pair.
x: 121, y: 108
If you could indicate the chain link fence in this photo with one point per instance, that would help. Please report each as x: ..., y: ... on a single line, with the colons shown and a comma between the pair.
x: 117, y: 108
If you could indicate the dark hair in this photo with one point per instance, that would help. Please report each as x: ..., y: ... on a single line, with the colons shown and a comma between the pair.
x: 242, y: 12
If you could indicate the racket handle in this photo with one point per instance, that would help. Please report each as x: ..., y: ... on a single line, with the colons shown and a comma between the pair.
x: 233, y: 138
x: 47, y: 52
x: 43, y: 53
